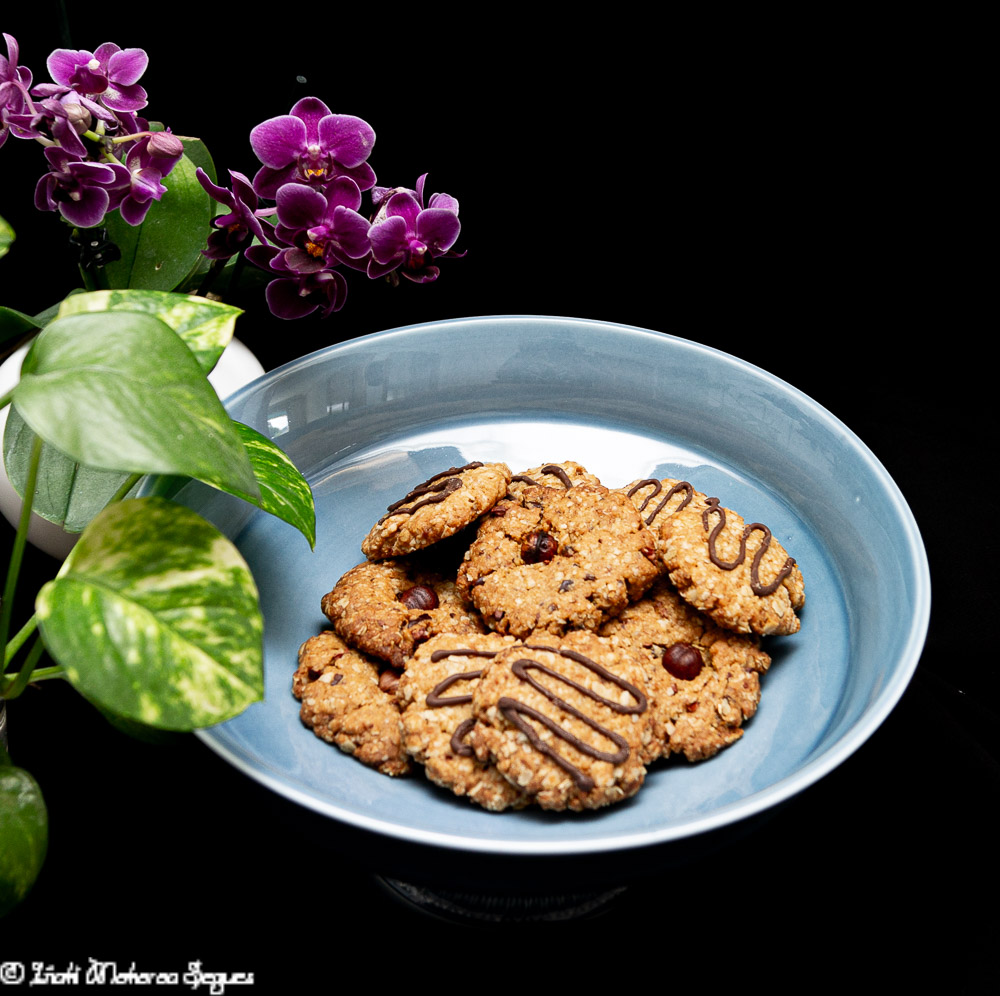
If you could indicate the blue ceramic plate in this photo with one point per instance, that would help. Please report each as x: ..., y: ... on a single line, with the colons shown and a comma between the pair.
x: 368, y: 419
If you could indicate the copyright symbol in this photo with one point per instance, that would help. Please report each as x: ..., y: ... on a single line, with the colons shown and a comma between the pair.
x: 11, y: 972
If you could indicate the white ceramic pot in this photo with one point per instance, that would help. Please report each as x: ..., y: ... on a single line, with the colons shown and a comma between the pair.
x: 236, y: 367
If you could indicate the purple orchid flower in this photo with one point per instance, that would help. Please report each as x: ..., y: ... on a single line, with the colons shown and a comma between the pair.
x: 295, y: 294
x: 14, y: 83
x: 111, y: 74
x: 323, y: 229
x: 236, y: 230
x: 149, y: 160
x: 406, y: 236
x: 311, y: 145
x: 59, y: 120
x: 81, y: 192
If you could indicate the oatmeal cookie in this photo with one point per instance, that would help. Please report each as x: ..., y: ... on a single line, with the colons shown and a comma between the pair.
x: 703, y: 682
x: 558, y: 559
x: 552, y: 475
x: 656, y: 500
x: 735, y: 572
x: 344, y: 705
x: 388, y: 607
x: 435, y: 695
x: 440, y: 507
x: 564, y: 719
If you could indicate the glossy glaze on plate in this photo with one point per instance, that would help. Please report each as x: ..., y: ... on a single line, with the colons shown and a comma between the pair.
x: 367, y: 419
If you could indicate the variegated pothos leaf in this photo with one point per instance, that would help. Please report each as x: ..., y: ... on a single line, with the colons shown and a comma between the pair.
x: 155, y: 616
x: 205, y: 326
x: 24, y: 834
x: 284, y: 492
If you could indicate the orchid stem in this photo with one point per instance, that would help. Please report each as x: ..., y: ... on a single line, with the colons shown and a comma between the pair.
x: 213, y: 272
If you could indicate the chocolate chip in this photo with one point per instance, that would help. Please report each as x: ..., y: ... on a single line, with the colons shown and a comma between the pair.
x: 683, y: 661
x: 418, y: 597
x: 566, y: 585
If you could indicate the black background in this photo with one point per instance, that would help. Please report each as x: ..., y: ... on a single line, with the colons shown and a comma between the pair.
x: 762, y: 188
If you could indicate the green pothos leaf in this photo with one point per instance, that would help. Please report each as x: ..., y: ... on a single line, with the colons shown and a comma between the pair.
x: 284, y: 492
x: 205, y: 326
x: 120, y: 391
x: 66, y: 492
x: 71, y: 494
x: 6, y: 237
x: 16, y: 323
x: 24, y: 834
x: 155, y: 617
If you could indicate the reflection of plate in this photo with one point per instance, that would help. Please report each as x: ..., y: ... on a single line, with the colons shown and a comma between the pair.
x: 367, y: 419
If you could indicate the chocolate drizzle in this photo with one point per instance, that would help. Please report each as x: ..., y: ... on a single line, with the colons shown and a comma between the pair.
x: 758, y: 589
x: 657, y: 488
x: 549, y: 468
x: 458, y: 744
x: 436, y: 700
x: 514, y: 711
x: 435, y: 697
x: 437, y: 487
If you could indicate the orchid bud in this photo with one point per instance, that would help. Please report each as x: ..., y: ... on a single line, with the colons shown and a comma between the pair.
x: 162, y: 143
x: 78, y: 117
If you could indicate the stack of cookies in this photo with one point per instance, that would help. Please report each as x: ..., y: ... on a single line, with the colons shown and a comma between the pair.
x: 541, y: 638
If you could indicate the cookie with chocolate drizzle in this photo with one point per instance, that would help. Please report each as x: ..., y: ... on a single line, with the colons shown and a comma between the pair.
x: 564, y: 719
x: 552, y: 475
x: 387, y: 608
x: 439, y: 507
x: 656, y: 500
x: 558, y: 559
x: 435, y: 697
x: 734, y: 571
x: 703, y: 682
x: 343, y: 704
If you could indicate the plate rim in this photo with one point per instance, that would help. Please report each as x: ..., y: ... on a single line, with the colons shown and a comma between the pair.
x: 756, y: 803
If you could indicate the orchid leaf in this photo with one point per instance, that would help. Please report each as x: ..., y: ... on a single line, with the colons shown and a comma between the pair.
x: 120, y: 391
x: 284, y: 492
x: 24, y: 834
x: 197, y: 151
x: 155, y: 617
x: 159, y: 253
